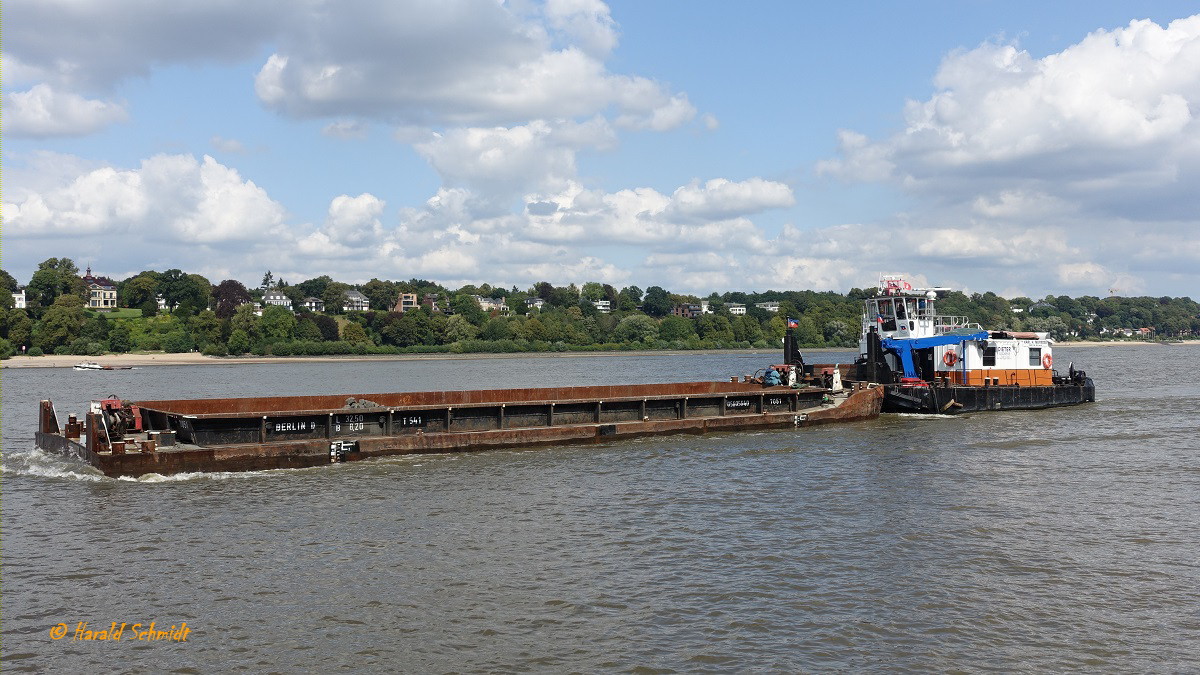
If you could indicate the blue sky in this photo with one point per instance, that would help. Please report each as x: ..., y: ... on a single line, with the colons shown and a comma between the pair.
x: 1025, y: 148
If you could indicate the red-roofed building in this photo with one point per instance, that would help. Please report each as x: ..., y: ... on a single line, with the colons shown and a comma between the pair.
x: 102, y: 291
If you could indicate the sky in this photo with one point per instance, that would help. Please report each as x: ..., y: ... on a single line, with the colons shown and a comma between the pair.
x: 1026, y: 148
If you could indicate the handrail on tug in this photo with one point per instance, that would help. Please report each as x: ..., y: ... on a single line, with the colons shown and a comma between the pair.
x: 904, y: 347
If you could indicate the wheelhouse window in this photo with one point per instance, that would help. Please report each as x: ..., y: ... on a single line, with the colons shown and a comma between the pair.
x: 989, y: 357
x: 887, y: 314
x: 1035, y: 356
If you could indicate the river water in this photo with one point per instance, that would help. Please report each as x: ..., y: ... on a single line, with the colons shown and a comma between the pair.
x: 1033, y: 541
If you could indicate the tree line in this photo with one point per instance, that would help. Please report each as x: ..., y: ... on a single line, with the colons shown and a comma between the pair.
x: 221, y: 319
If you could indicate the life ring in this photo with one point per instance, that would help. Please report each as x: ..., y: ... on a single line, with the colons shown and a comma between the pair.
x: 950, y: 359
x: 1047, y: 361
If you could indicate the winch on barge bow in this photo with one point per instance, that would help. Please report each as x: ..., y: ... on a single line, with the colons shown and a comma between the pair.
x: 948, y: 365
x: 123, y: 438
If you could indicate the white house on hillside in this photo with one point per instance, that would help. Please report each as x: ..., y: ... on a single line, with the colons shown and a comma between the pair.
x: 355, y: 302
x: 277, y: 298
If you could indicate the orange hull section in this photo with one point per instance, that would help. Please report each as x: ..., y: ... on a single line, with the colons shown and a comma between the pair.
x: 1028, y: 377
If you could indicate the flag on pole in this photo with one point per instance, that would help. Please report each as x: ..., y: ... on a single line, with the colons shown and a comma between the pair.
x: 793, y: 323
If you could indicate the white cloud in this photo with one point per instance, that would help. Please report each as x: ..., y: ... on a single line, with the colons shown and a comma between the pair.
x: 90, y: 45
x: 1072, y: 169
x: 475, y: 63
x: 168, y: 198
x: 345, y: 129
x: 693, y: 217
x: 586, y: 23
x: 1118, y: 101
x: 720, y: 198
x: 228, y: 145
x: 42, y: 111
x: 355, y: 220
x: 501, y: 162
x: 1083, y: 274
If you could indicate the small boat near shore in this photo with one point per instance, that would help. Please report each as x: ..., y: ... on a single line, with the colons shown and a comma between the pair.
x: 90, y: 365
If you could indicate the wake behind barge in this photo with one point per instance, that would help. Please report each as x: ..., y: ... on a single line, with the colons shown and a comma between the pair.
x: 123, y: 438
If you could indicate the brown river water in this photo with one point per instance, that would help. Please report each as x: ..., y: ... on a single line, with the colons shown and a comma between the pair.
x: 1031, y: 541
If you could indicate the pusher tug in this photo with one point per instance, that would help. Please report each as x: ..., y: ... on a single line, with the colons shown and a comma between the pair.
x: 948, y: 365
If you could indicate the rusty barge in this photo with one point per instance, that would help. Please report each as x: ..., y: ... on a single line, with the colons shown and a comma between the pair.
x: 125, y: 438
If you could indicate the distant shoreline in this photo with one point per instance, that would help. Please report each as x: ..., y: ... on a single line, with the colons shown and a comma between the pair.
x: 196, y: 359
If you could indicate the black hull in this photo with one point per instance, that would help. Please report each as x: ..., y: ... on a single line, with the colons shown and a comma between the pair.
x: 953, y: 400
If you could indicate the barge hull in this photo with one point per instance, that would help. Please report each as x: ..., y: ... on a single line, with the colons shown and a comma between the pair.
x: 481, y: 427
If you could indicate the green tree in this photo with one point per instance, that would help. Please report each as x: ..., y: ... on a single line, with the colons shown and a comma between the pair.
x: 468, y: 307
x: 230, y: 294
x: 496, y: 328
x: 138, y: 290
x: 177, y: 342
x: 458, y: 328
x: 54, y: 277
x: 515, y: 302
x: 239, y: 342
x: 381, y: 294
x: 773, y: 329
x: 715, y: 328
x: 592, y: 291
x: 202, y: 296
x: 245, y: 320
x: 61, y: 323
x: 295, y: 295
x: 278, y: 324
x: 174, y: 286
x: 8, y: 282
x: 745, y: 329
x: 119, y: 338
x: 807, y: 334
x: 328, y: 326
x: 636, y: 328
x: 354, y: 333
x: 628, y: 299
x: 95, y: 329
x: 534, y: 329
x: 205, y: 328
x: 676, y: 328
x: 409, y: 329
x: 308, y: 330
x: 334, y: 297
x: 314, y: 288
x: 657, y: 302
x: 20, y: 328
x: 839, y: 333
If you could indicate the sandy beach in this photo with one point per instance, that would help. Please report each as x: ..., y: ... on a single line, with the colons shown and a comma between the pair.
x: 143, y: 360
